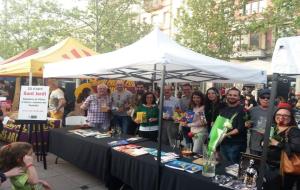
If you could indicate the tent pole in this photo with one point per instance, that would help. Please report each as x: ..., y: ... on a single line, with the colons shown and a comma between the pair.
x: 154, y: 79
x: 161, y: 103
x: 30, y: 78
x: 267, y: 130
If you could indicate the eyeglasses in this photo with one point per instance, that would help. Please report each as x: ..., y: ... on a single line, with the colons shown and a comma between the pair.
x: 283, y: 115
x: 265, y: 97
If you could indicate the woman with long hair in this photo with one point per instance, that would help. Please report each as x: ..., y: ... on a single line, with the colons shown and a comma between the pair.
x: 198, y: 125
x: 286, y: 139
x: 212, y: 106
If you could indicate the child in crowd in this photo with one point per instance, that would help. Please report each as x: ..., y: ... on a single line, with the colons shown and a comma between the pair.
x: 19, y: 154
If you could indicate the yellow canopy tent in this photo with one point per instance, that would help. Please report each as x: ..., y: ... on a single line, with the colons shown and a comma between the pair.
x: 33, y: 65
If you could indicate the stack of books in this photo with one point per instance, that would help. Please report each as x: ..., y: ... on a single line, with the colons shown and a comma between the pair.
x: 131, y: 149
x: 184, y: 166
x: 85, y: 132
x: 165, y: 156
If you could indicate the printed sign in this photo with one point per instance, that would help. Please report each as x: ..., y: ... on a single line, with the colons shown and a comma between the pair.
x: 33, y: 103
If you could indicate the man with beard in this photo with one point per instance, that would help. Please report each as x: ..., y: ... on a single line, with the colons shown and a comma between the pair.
x: 121, y: 103
x: 258, y: 121
x: 235, y: 140
x: 136, y: 102
x: 184, y: 104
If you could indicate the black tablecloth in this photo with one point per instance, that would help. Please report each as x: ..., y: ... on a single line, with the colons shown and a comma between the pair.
x: 140, y: 173
x: 88, y: 153
x: 179, y: 180
x: 96, y: 157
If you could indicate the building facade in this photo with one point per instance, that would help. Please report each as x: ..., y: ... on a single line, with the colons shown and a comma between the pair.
x: 247, y: 47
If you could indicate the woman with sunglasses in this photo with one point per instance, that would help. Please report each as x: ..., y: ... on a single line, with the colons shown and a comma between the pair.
x: 285, y: 127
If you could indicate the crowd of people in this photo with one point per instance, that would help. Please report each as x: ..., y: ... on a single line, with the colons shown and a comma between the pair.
x: 138, y: 113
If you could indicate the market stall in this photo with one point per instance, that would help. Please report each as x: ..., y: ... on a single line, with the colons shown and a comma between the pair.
x: 155, y: 58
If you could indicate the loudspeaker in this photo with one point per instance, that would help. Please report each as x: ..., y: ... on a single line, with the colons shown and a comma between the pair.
x: 283, y: 87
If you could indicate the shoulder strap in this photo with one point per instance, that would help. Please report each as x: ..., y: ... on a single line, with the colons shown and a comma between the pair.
x: 287, y: 131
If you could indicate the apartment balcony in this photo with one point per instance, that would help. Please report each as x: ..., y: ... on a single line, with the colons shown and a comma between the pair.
x: 152, y: 5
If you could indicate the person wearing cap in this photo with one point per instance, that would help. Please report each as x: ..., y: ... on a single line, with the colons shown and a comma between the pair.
x: 257, y: 123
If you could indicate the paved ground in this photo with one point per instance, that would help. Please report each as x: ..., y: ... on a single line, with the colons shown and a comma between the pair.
x: 64, y: 176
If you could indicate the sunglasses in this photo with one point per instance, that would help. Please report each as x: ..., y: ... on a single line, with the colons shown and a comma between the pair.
x: 265, y: 97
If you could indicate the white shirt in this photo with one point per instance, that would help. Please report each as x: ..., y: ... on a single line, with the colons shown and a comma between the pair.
x: 54, y: 98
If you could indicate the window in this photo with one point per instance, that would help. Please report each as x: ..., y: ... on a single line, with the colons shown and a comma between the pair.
x: 248, y: 9
x: 166, y: 18
x: 255, y: 7
x: 262, y: 5
x: 154, y: 20
x: 254, y: 40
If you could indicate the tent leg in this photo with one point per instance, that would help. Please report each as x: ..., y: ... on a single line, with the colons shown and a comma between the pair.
x: 161, y: 103
x: 267, y: 131
x: 30, y: 79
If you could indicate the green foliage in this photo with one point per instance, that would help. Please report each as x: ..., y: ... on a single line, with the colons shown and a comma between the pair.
x: 29, y: 24
x: 103, y: 25
x: 211, y: 27
x: 107, y: 25
x: 283, y: 17
x: 208, y: 27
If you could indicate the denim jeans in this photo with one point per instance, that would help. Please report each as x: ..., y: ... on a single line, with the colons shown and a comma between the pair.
x: 232, y: 152
x: 123, y: 122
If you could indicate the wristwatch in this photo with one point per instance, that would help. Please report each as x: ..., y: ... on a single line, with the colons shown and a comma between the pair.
x: 3, y: 177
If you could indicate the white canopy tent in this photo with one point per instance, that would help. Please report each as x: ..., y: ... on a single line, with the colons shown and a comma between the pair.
x: 155, y: 58
x: 286, y: 56
x: 148, y: 56
x: 260, y: 65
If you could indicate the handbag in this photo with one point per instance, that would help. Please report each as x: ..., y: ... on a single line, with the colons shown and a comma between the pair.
x: 289, y: 164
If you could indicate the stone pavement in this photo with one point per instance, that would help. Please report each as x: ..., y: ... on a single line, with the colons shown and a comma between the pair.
x: 64, y: 176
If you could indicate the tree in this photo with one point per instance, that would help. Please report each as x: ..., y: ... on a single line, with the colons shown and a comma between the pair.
x: 29, y: 24
x: 282, y: 17
x: 103, y: 25
x: 107, y: 24
x: 208, y: 27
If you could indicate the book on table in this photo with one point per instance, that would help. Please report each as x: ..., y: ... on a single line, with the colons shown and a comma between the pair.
x: 184, y: 166
x: 131, y: 149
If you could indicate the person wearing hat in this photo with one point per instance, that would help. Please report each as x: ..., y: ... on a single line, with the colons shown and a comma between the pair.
x: 257, y: 123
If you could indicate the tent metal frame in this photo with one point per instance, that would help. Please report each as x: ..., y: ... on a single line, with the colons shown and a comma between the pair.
x: 137, y: 73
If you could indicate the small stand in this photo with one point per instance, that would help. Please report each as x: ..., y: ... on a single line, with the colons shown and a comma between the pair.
x: 35, y: 125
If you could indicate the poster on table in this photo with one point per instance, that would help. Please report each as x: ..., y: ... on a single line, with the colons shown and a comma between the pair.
x: 33, y: 103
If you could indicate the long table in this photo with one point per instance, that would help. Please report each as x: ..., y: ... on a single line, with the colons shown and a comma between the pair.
x: 88, y: 153
x: 140, y: 173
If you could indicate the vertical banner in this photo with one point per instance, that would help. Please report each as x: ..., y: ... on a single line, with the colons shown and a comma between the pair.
x: 33, y: 103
